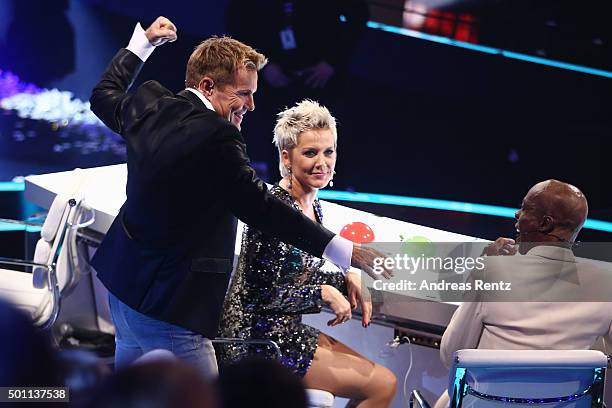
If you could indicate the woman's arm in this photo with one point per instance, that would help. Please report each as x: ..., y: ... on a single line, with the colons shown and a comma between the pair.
x: 335, y: 279
x: 271, y: 269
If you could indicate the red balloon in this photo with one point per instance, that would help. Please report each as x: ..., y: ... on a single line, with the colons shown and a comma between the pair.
x: 357, y: 232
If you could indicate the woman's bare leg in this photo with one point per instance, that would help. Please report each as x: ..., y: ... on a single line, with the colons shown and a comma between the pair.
x: 345, y: 373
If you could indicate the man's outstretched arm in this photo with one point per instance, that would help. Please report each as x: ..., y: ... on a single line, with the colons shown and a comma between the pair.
x: 109, y: 96
x: 248, y: 198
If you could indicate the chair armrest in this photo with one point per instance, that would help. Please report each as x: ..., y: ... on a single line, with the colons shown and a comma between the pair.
x: 265, y: 342
x: 21, y: 262
x: 88, y: 221
x: 416, y: 397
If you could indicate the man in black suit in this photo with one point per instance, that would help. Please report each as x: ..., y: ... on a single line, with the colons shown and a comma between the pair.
x: 167, y: 258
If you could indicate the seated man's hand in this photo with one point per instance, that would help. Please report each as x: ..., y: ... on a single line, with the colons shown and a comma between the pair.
x: 358, y: 294
x: 363, y: 258
x: 161, y: 31
x: 501, y: 246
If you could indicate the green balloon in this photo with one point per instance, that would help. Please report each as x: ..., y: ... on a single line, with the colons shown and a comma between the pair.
x: 417, y: 246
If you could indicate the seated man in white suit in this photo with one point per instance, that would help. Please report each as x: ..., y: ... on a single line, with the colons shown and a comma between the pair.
x: 556, y: 302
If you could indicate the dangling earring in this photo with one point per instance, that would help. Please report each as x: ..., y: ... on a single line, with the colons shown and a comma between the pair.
x: 290, y: 185
x: 331, y: 180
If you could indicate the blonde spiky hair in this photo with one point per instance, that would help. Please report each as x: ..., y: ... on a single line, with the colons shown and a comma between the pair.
x: 304, y: 116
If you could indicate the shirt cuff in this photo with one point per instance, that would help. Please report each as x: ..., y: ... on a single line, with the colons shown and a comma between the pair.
x: 339, y: 251
x: 139, y: 44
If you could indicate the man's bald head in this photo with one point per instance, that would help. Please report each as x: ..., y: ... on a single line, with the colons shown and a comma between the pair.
x: 552, y: 210
x: 564, y: 202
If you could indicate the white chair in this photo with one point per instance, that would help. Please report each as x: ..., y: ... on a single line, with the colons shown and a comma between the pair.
x: 559, y: 378
x: 54, y: 269
x: 319, y: 398
x: 38, y: 293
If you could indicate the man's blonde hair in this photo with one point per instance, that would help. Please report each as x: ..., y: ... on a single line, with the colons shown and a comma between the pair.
x: 304, y: 116
x: 220, y: 58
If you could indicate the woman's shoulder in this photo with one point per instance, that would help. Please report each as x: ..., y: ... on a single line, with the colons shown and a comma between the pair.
x: 280, y: 193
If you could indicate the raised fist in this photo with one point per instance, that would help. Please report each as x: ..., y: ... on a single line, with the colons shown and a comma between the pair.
x: 161, y: 31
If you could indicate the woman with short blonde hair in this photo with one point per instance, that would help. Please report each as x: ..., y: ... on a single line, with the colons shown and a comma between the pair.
x: 275, y: 283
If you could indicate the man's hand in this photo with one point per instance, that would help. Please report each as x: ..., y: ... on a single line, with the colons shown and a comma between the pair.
x: 501, y: 246
x: 358, y: 294
x: 363, y: 258
x: 161, y: 31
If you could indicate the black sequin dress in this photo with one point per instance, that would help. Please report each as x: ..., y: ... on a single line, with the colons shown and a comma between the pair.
x: 273, y: 285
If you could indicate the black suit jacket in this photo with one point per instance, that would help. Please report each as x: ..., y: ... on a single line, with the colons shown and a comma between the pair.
x: 169, y: 252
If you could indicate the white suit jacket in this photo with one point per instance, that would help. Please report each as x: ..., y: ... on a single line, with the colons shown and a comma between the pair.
x: 557, y: 302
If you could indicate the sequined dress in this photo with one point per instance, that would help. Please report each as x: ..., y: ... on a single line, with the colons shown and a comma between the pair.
x: 273, y: 285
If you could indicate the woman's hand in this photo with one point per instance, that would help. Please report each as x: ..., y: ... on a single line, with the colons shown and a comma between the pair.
x: 338, y: 303
x: 359, y: 295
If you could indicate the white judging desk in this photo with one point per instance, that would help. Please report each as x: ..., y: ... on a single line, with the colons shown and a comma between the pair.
x: 103, y: 189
